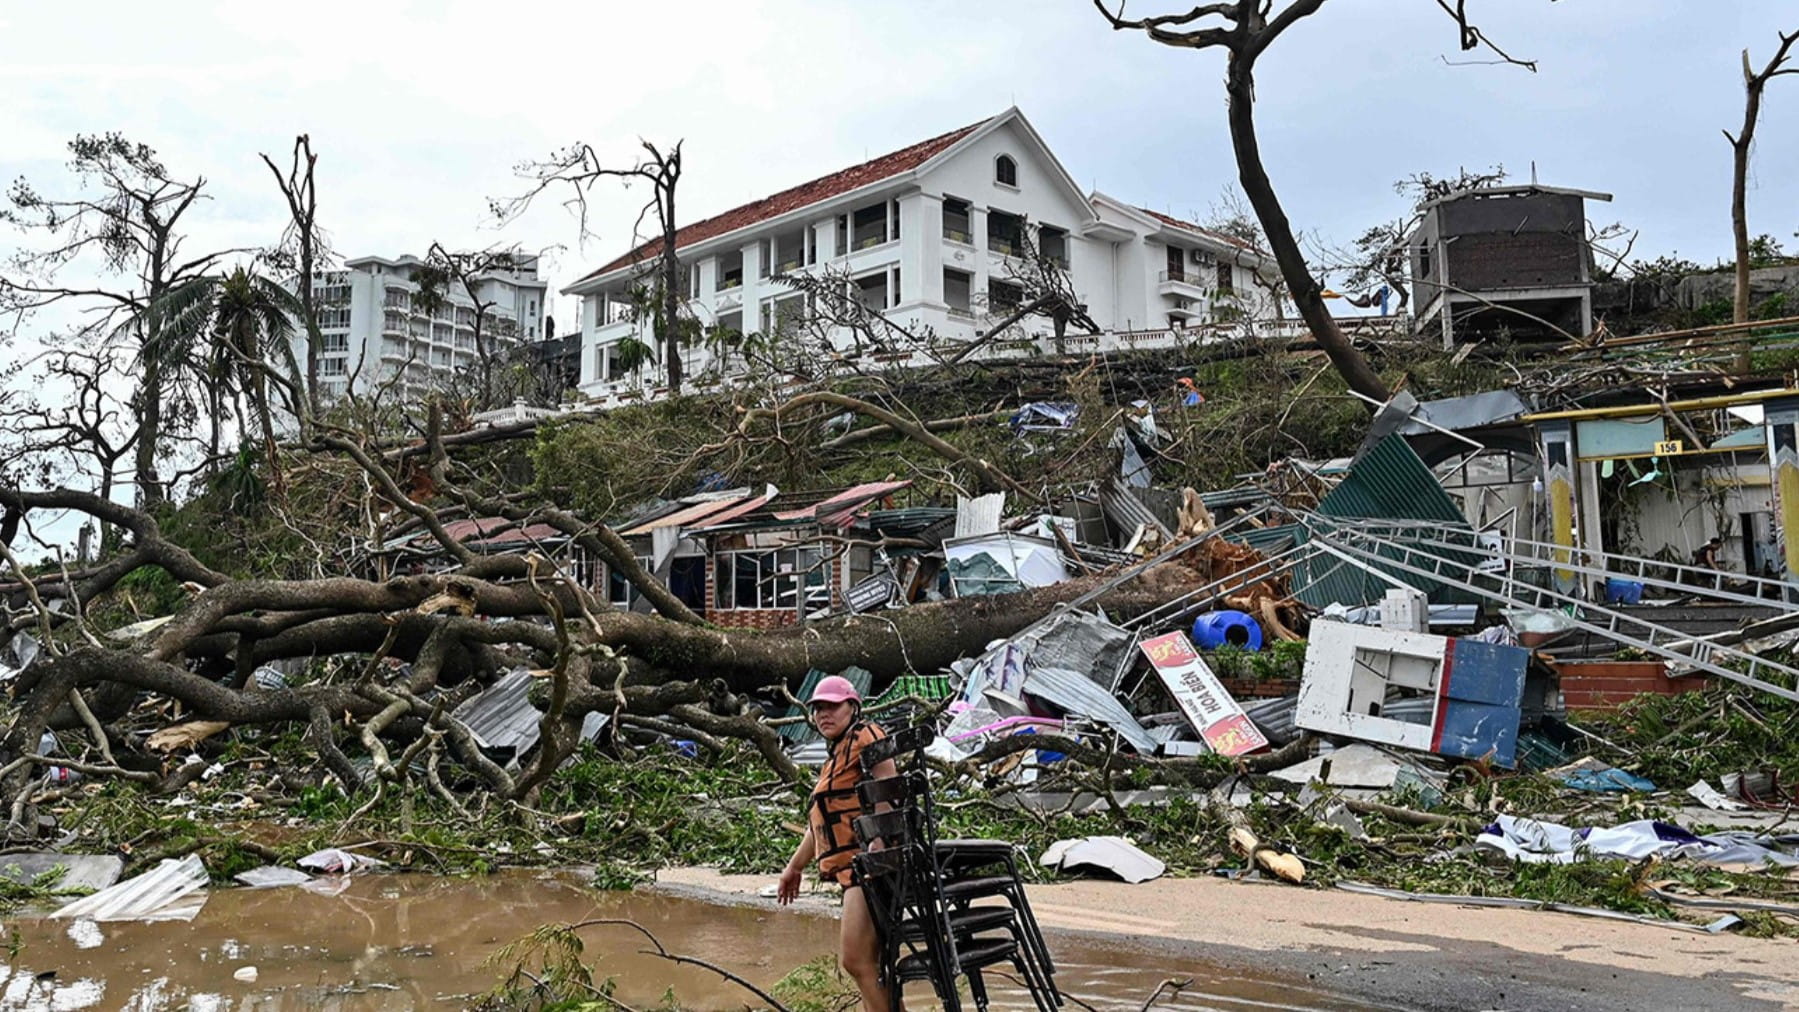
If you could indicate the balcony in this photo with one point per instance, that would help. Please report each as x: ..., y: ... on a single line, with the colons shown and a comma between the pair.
x: 960, y: 235
x: 1182, y: 283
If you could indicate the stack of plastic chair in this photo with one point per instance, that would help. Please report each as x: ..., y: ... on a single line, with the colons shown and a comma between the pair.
x: 923, y: 890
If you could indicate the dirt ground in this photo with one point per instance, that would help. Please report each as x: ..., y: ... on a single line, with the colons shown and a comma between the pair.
x: 1391, y: 952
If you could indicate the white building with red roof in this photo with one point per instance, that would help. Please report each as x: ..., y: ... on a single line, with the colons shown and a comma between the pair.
x: 929, y: 236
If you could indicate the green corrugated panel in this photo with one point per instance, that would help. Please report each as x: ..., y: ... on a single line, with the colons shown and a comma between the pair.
x: 1391, y: 483
x: 927, y: 687
x: 1388, y: 483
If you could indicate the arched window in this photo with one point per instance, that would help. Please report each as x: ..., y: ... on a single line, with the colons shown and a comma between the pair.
x: 1005, y: 170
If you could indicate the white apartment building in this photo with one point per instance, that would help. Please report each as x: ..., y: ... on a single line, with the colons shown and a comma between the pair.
x: 375, y: 331
x: 928, y: 235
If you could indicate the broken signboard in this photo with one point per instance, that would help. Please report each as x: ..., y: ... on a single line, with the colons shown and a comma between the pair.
x: 1211, y: 710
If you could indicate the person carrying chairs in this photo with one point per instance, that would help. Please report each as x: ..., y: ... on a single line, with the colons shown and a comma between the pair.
x: 830, y: 836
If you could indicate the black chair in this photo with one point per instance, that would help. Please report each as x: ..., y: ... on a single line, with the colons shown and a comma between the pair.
x: 966, y: 870
x: 922, y: 937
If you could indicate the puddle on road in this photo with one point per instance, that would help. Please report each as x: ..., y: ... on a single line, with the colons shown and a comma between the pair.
x: 391, y: 942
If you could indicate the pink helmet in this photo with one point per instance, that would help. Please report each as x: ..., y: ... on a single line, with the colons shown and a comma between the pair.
x: 834, y: 689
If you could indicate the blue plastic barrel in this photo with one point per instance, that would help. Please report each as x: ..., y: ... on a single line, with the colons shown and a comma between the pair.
x: 1217, y: 629
x: 1623, y: 591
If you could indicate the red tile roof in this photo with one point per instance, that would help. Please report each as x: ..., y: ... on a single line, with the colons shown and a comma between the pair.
x: 1201, y: 229
x: 823, y: 188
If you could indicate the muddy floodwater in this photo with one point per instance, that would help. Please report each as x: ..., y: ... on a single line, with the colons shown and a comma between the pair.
x: 411, y: 941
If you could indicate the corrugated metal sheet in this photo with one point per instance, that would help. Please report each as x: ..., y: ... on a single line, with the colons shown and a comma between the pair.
x: 1389, y: 482
x: 980, y: 515
x: 1275, y: 718
x: 698, y: 515
x: 501, y: 716
x: 1075, y: 693
x: 840, y: 509
x: 171, y: 891
x: 1125, y: 511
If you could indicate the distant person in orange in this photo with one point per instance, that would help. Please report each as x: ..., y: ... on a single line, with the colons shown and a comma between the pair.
x: 837, y: 713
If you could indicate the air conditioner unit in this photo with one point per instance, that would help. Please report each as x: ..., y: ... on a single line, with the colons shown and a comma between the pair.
x: 1200, y: 256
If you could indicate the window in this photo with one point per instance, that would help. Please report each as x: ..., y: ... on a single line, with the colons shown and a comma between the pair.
x: 1224, y: 278
x: 811, y: 245
x: 783, y: 315
x: 532, y: 309
x: 782, y: 578
x: 730, y: 271
x: 789, y: 251
x: 869, y: 225
x: 958, y: 287
x: 334, y: 342
x: 693, y: 281
x: 843, y: 234
x: 893, y: 215
x: 1052, y: 242
x: 764, y: 258
x: 621, y: 591
x: 333, y: 367
x: 1005, y: 233
x: 1004, y: 296
x: 871, y: 291
x: 1005, y: 171
x: 958, y: 223
x: 1177, y: 264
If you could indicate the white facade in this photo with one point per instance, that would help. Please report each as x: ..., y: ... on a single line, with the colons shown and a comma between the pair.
x: 957, y: 214
x: 374, y: 333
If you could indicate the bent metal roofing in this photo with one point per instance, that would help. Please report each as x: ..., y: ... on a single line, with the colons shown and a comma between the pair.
x: 792, y: 199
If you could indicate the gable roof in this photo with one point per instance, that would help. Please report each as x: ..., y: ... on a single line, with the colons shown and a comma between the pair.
x: 792, y: 199
x: 1188, y: 226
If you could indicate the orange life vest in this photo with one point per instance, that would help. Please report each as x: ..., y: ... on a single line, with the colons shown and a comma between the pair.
x: 834, y: 803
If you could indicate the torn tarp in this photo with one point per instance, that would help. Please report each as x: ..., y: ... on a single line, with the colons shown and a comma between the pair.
x: 1044, y: 416
x: 1533, y: 841
x: 1029, y: 561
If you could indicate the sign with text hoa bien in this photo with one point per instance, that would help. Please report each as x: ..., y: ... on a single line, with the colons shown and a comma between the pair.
x: 1210, y: 709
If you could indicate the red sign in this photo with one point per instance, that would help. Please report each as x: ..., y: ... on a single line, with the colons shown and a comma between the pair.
x: 1210, y: 709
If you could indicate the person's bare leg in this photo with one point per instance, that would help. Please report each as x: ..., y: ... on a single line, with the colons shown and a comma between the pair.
x: 859, y: 951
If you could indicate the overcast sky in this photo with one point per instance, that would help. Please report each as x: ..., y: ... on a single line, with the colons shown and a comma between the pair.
x: 419, y: 110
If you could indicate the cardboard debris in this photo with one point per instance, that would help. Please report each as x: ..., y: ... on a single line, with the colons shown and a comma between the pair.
x: 1113, y: 854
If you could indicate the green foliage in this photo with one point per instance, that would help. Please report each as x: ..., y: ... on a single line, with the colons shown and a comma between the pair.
x: 1678, y: 739
x: 544, y: 970
x: 817, y: 986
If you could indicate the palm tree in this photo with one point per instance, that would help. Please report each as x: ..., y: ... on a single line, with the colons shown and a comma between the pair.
x: 222, y: 331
